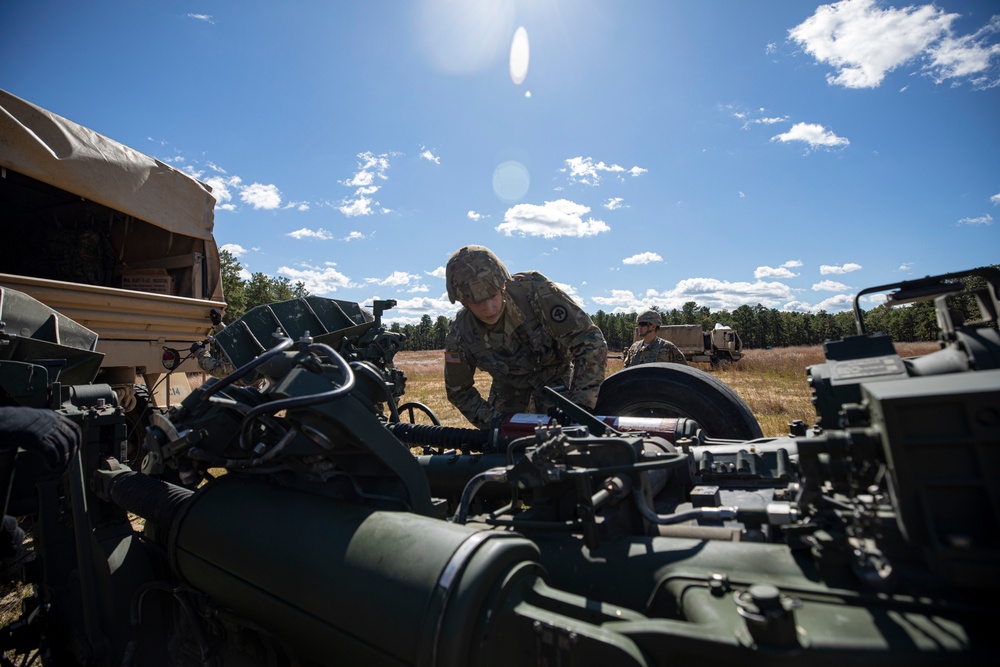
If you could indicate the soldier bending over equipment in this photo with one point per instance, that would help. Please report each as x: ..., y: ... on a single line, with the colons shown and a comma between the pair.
x: 522, y: 330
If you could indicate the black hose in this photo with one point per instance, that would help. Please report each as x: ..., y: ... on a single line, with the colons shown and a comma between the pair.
x: 424, y: 435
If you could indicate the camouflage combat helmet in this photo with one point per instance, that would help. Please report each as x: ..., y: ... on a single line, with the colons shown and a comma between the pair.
x: 650, y: 316
x: 474, y: 274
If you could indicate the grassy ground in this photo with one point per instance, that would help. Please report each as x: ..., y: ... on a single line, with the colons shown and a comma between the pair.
x: 771, y: 382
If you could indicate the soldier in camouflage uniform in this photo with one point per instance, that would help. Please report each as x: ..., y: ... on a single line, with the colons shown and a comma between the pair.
x: 651, y: 347
x: 522, y: 330
x: 211, y: 359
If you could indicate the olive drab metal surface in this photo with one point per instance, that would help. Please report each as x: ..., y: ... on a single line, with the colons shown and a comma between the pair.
x: 300, y: 520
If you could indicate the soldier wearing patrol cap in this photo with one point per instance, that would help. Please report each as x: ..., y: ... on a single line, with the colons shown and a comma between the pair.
x: 522, y: 330
x: 650, y: 347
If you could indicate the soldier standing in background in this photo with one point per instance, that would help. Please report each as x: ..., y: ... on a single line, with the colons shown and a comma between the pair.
x: 651, y: 347
x: 522, y: 330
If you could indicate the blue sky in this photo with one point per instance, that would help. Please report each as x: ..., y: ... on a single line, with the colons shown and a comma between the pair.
x: 639, y: 153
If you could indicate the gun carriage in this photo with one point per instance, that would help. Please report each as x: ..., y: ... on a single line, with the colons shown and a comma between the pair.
x: 641, y: 537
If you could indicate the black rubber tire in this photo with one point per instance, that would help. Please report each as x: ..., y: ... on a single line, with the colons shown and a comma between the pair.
x: 673, y: 390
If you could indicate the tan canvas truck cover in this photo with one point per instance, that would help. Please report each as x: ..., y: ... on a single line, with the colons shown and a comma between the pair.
x: 111, y: 238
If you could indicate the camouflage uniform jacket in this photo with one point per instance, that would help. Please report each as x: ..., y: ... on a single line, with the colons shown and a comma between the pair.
x: 658, y: 350
x: 542, y: 339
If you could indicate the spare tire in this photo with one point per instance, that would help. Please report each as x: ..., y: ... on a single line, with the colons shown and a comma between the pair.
x: 673, y: 390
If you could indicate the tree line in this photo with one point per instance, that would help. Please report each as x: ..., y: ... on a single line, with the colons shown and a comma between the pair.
x: 757, y: 326
x: 241, y: 294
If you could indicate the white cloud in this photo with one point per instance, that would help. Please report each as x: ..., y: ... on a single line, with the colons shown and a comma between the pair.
x: 643, y: 258
x: 905, y: 266
x: 829, y: 286
x: 554, y: 218
x: 792, y: 263
x: 439, y: 272
x: 261, y: 196
x: 396, y: 279
x: 622, y: 298
x: 614, y: 203
x: 354, y: 236
x: 756, y: 117
x: 233, y: 249
x: 981, y: 220
x: 968, y: 56
x: 775, y: 272
x: 318, y: 280
x: 472, y: 215
x: 827, y: 269
x: 585, y: 170
x: 835, y: 303
x: 796, y: 307
x: 571, y: 292
x: 813, y: 134
x: 297, y: 205
x: 371, y: 170
x: 565, y: 287
x: 360, y: 179
x: 258, y: 195
x: 716, y: 294
x: 995, y: 199
x: 426, y: 154
x: 410, y: 311
x: 355, y: 207
x: 207, y: 18
x: 873, y: 300
x: 864, y: 43
x: 306, y: 233
x: 770, y: 48
x: 221, y: 191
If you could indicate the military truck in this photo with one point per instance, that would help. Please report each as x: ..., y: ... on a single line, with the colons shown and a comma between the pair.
x: 719, y: 344
x: 112, y: 239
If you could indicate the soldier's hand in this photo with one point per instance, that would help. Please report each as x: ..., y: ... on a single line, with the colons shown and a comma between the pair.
x: 47, y: 432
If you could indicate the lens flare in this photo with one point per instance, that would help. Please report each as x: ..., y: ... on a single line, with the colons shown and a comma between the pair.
x: 511, y: 180
x: 519, y: 55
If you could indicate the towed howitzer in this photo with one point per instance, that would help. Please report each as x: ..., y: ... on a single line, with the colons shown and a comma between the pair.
x: 548, y: 539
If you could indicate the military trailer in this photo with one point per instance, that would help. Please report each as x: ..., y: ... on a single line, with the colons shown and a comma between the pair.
x: 719, y: 344
x: 112, y: 239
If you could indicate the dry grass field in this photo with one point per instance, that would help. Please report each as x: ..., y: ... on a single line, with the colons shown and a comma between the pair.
x: 771, y: 382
